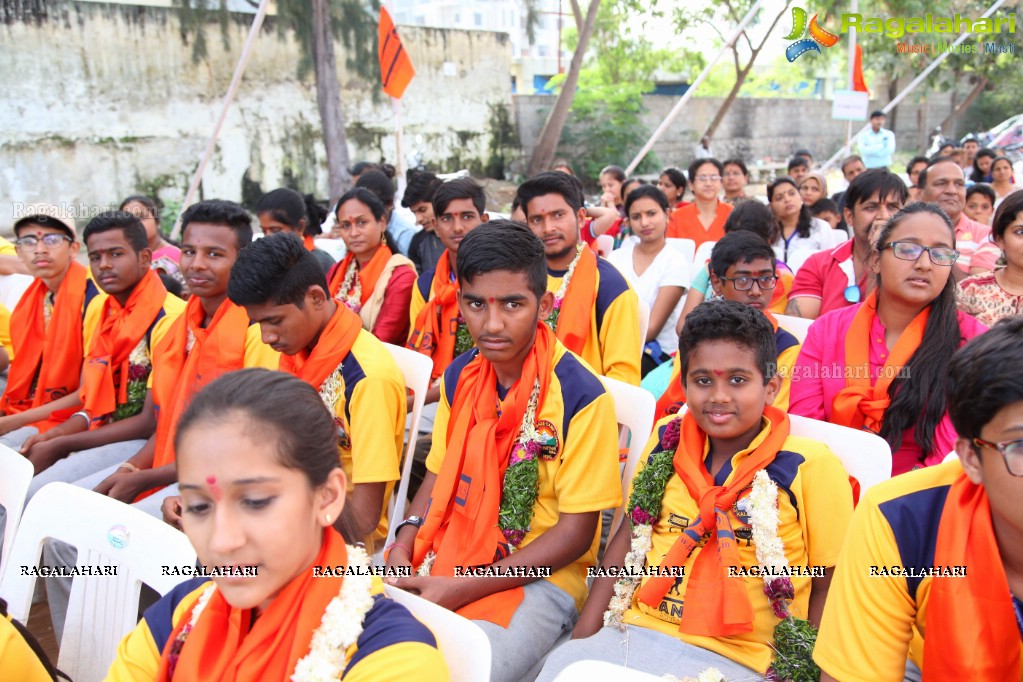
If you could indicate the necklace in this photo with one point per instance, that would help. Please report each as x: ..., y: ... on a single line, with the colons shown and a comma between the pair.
x: 559, y: 296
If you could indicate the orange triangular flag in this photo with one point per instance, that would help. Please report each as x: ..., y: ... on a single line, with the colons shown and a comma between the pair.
x: 859, y: 85
x: 395, y: 66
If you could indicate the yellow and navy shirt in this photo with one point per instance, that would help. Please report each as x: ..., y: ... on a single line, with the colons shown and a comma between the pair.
x: 579, y: 463
x: 872, y: 622
x: 613, y: 347
x: 370, y: 411
x: 814, y: 507
x: 17, y: 659
x: 393, y: 645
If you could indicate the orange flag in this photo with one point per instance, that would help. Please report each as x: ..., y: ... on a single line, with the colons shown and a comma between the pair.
x: 859, y: 85
x: 395, y: 66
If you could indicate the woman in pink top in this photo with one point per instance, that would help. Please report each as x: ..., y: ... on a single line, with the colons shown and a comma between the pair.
x: 166, y: 256
x: 881, y: 365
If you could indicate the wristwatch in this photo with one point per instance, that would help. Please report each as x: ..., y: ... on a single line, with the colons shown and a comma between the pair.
x: 416, y: 521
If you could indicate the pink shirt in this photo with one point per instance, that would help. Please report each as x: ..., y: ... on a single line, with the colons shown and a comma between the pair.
x: 825, y: 275
x: 819, y: 375
x: 970, y: 236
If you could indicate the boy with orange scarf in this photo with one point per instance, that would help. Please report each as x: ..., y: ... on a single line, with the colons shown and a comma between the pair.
x: 932, y: 568
x: 595, y: 312
x: 527, y: 460
x: 283, y: 288
x: 733, y: 524
x: 51, y: 327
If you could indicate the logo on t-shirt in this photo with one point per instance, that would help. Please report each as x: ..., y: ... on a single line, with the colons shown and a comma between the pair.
x: 548, y: 438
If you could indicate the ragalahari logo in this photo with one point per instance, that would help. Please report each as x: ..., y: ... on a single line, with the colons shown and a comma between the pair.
x: 818, y: 36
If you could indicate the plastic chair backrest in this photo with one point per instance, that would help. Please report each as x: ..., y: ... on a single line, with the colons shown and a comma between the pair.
x: 588, y: 671
x: 644, y: 321
x: 634, y: 409
x: 416, y: 369
x: 866, y: 456
x: 109, y: 534
x: 702, y: 256
x: 12, y: 287
x: 686, y: 247
x: 464, y: 645
x: 15, y: 477
x: 335, y: 248
x: 797, y: 326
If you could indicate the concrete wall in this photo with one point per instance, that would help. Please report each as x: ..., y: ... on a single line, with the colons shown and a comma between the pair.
x: 102, y: 100
x: 753, y: 128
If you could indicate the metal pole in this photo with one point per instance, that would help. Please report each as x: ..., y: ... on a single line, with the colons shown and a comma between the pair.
x: 854, y: 8
x: 399, y: 165
x: 692, y: 88
x: 916, y: 81
x: 232, y: 89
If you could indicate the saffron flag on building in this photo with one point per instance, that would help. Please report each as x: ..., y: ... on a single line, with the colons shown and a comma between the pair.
x: 859, y: 85
x: 395, y: 66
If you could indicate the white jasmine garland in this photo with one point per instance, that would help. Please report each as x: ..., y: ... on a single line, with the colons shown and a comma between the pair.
x: 351, y: 285
x: 625, y: 586
x: 763, y: 500
x: 427, y: 565
x: 341, y: 625
x: 559, y: 295
x: 200, y: 605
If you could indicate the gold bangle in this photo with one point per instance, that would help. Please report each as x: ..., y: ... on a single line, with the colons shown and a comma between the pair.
x: 129, y: 466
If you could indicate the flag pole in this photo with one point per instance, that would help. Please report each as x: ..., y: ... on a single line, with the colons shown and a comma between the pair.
x: 399, y: 133
x: 232, y: 90
x: 854, y: 7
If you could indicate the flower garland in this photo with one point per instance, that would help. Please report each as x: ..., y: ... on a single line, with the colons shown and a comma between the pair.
x: 330, y: 392
x: 351, y: 284
x: 179, y: 641
x: 341, y: 624
x: 139, y: 367
x: 521, y: 482
x: 559, y: 296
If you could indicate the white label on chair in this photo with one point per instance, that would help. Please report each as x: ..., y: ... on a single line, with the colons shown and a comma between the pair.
x: 117, y: 536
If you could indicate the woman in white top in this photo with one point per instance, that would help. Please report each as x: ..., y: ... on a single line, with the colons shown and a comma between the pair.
x: 801, y: 234
x: 658, y: 273
x: 1002, y: 180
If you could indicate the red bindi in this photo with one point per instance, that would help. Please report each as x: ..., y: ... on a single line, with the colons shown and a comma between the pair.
x: 491, y: 300
x: 718, y: 372
x: 214, y: 488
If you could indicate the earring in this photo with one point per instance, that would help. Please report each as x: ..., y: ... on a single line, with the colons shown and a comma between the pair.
x: 327, y: 519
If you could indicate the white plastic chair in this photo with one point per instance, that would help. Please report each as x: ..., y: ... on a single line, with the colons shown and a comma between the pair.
x: 12, y: 287
x: 866, y: 456
x: 464, y: 645
x: 797, y: 326
x: 335, y: 248
x: 634, y: 409
x: 702, y: 256
x: 416, y: 369
x: 686, y: 247
x: 950, y: 456
x: 15, y: 476
x: 601, y: 671
x: 106, y: 532
x: 604, y: 244
x: 644, y: 321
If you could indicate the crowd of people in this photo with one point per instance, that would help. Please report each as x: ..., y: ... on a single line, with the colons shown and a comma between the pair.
x: 228, y: 385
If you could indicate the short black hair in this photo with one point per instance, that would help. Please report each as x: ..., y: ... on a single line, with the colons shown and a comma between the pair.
x: 878, y: 112
x: 550, y: 182
x: 1006, y: 214
x: 129, y: 223
x: 695, y: 166
x: 806, y: 153
x: 877, y: 181
x: 460, y: 188
x: 276, y: 269
x: 754, y: 217
x: 421, y: 187
x: 985, y: 376
x: 503, y: 245
x: 377, y: 182
x: 921, y: 180
x: 914, y: 161
x: 850, y: 159
x: 726, y: 320
x: 677, y: 177
x: 361, y: 167
x: 739, y: 163
x: 220, y: 212
x: 824, y: 205
x: 648, y: 191
x: 739, y: 247
x: 798, y: 162
x: 982, y: 188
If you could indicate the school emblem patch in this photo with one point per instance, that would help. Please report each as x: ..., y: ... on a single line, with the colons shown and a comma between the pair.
x: 741, y: 510
x: 549, y: 443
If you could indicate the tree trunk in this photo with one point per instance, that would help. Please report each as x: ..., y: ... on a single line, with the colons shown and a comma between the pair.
x: 328, y: 101
x: 978, y: 88
x: 547, y: 143
x: 893, y: 91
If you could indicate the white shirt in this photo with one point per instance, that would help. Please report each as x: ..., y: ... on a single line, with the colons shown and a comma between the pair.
x: 702, y: 152
x: 668, y: 269
x: 821, y: 237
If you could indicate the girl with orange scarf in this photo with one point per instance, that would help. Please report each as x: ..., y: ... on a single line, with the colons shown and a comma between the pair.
x: 957, y: 528
x: 881, y: 365
x: 373, y: 279
x: 261, y: 486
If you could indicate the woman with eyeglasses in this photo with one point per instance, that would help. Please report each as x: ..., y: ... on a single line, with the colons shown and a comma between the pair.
x: 881, y: 365
x: 704, y: 219
x: 993, y: 295
x: 801, y: 234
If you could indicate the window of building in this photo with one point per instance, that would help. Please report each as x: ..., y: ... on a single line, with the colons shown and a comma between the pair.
x: 477, y: 19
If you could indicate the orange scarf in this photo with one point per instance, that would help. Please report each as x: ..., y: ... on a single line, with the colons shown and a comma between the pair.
x: 121, y: 329
x: 55, y: 353
x: 436, y: 327
x: 178, y: 374
x: 308, y: 243
x: 577, y: 308
x: 461, y: 525
x: 226, y: 646
x: 335, y: 343
x: 367, y: 275
x: 971, y: 631
x: 716, y: 605
x: 860, y: 405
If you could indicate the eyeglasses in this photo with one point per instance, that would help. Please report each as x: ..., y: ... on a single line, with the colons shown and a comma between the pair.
x: 49, y: 240
x: 939, y: 255
x: 767, y: 282
x: 707, y: 178
x: 1011, y: 451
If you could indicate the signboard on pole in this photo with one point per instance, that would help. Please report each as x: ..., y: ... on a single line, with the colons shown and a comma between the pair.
x: 850, y: 105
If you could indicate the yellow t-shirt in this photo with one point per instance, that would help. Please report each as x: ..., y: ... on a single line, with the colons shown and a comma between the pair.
x: 17, y: 660
x: 613, y: 347
x: 7, y: 248
x: 393, y: 645
x: 580, y: 475
x: 871, y: 622
x: 5, y: 331
x: 815, y: 504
